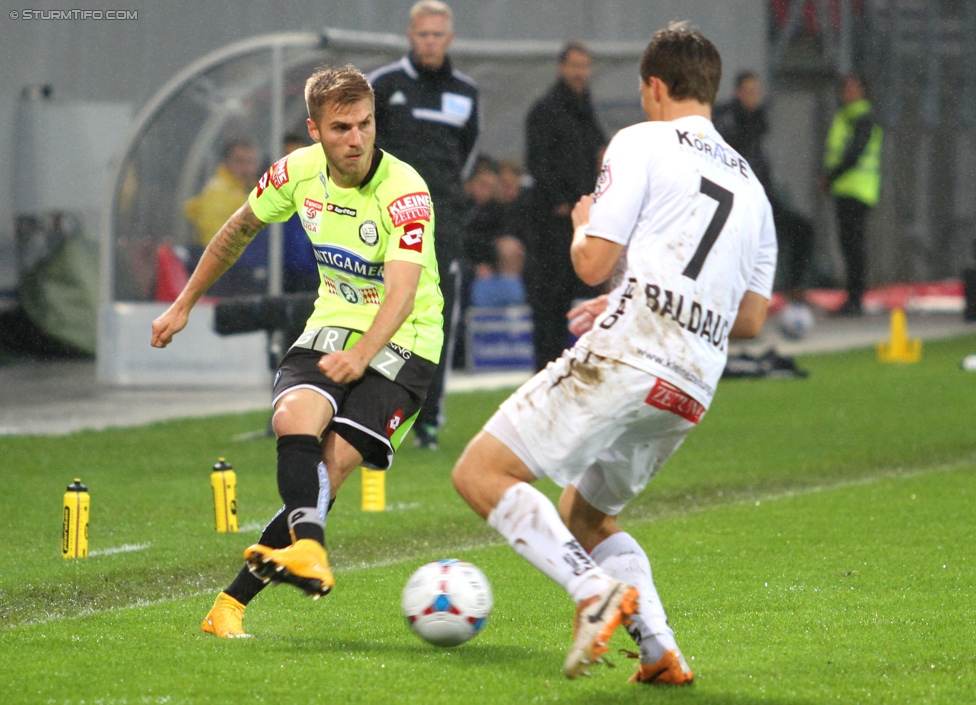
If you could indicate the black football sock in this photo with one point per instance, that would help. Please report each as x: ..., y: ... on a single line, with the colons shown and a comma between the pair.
x: 245, y: 586
x: 275, y: 534
x: 301, y: 482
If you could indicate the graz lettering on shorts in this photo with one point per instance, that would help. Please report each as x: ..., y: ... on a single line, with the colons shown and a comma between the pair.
x: 388, y: 361
x: 348, y: 261
x: 669, y: 398
x: 713, y: 151
x: 699, y: 320
x: 324, y: 340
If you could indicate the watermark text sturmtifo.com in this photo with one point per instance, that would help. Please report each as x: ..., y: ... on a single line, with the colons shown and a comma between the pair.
x: 28, y: 14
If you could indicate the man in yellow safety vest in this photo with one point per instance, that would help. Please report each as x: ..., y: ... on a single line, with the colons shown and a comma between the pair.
x: 852, y: 173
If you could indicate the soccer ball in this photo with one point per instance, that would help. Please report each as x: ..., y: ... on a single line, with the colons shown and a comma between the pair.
x: 796, y: 320
x: 447, y: 602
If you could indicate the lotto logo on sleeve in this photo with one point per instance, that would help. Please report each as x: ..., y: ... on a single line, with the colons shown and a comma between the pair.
x: 413, y: 237
x: 669, y: 398
x: 413, y: 206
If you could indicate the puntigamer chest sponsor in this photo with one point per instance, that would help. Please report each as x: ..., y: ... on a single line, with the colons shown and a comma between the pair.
x: 347, y: 261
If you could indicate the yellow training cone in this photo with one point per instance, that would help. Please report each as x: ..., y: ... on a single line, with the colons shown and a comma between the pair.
x: 900, y: 348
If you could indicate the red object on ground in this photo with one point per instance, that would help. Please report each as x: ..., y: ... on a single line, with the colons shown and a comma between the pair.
x: 944, y: 295
x: 171, y: 275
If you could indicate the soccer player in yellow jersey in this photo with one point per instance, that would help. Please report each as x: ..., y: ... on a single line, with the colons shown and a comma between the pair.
x: 351, y: 385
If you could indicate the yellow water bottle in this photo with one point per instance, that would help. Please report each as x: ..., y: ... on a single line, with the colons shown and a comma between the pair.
x: 224, y: 483
x: 374, y: 490
x: 74, y: 532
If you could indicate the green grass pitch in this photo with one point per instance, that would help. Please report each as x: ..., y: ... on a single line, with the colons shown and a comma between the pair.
x: 814, y: 541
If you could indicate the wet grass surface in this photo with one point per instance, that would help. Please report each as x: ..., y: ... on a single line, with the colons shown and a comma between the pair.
x: 813, y: 541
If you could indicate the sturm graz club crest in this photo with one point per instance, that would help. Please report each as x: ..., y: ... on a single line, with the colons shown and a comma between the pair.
x: 349, y: 293
x: 368, y: 233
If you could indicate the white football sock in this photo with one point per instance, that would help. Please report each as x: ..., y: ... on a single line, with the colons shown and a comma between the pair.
x: 622, y: 557
x: 531, y: 525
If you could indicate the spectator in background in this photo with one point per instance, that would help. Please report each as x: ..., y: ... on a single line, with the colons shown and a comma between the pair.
x: 299, y: 270
x: 563, y: 146
x: 497, y: 255
x: 427, y: 115
x: 209, y: 210
x: 852, y: 165
x: 301, y: 273
x: 510, y: 247
x: 742, y: 122
x: 483, y: 217
x: 225, y: 191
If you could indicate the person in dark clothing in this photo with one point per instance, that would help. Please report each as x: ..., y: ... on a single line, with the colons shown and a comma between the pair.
x: 564, y: 141
x: 494, y: 247
x: 743, y: 124
x: 852, y: 165
x: 427, y: 115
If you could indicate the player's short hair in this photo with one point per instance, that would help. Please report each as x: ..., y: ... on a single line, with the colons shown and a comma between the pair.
x: 431, y: 7
x: 335, y: 86
x: 686, y: 61
x: 570, y: 47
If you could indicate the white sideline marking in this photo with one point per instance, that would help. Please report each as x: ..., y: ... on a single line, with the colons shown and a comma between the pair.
x: 124, y: 548
x: 402, y: 506
x: 252, y: 526
x: 356, y: 567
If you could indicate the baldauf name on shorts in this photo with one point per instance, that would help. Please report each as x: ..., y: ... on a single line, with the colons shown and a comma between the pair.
x: 713, y: 151
x: 695, y: 319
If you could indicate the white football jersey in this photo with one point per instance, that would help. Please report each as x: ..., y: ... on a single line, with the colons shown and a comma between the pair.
x: 698, y: 232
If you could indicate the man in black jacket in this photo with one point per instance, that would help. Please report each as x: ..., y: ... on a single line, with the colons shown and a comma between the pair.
x: 564, y: 142
x: 427, y: 115
x: 743, y: 124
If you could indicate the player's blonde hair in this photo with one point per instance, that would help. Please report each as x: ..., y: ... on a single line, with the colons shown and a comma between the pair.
x: 329, y: 85
x: 686, y: 61
x: 431, y: 7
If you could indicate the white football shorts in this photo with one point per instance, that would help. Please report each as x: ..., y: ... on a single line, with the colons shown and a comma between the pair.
x: 589, y: 421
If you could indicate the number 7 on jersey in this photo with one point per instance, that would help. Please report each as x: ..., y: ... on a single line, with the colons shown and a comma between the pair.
x: 715, y: 225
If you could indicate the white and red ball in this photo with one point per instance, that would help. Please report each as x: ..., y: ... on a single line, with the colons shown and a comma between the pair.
x: 447, y: 602
x: 796, y: 320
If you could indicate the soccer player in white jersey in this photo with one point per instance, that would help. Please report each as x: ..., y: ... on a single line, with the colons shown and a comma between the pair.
x: 680, y: 221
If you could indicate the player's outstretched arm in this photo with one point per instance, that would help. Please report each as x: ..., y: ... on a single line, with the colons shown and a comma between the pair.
x: 401, y: 280
x: 224, y: 249
x: 752, y: 314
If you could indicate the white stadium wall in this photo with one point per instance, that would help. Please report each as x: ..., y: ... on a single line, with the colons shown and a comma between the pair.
x: 127, y: 61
